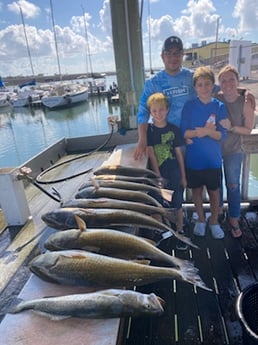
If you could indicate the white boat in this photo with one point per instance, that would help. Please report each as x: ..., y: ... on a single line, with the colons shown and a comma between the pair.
x: 28, y: 94
x: 4, y: 100
x: 25, y: 98
x: 65, y: 95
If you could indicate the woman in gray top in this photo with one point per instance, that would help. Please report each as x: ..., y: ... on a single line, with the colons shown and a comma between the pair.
x: 240, y: 122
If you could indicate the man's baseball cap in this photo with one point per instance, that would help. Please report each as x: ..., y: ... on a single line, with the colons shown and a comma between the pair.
x: 172, y: 42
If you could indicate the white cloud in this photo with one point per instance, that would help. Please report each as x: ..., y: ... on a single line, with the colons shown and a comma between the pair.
x: 247, y: 13
x: 29, y: 10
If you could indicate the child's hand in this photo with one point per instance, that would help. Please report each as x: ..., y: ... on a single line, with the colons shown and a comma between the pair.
x: 188, y: 141
x: 210, y: 125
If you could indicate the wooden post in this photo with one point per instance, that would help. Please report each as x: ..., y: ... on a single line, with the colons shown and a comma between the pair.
x: 127, y: 41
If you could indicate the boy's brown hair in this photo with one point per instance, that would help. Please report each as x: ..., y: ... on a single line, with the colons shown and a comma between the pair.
x: 204, y: 72
x: 228, y: 68
x: 157, y: 97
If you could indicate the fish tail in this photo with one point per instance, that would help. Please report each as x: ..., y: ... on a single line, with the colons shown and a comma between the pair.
x: 186, y: 240
x: 190, y: 275
x: 182, y: 264
x: 15, y: 307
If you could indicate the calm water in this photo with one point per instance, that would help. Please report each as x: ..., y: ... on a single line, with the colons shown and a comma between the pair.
x: 25, y: 132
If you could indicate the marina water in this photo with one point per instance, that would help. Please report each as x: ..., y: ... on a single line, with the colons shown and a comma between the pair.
x: 24, y: 132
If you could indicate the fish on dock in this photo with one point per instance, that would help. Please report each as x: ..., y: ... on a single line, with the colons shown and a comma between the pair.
x: 81, y: 268
x: 111, y: 303
x: 139, y: 179
x: 116, y: 193
x: 119, y: 204
x: 112, y: 243
x: 164, y: 193
x: 64, y: 219
x: 125, y: 171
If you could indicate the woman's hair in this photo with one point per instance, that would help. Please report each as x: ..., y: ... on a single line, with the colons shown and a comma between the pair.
x: 204, y: 72
x: 228, y: 68
x: 159, y: 98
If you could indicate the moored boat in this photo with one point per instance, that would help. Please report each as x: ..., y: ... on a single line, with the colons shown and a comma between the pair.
x: 65, y: 95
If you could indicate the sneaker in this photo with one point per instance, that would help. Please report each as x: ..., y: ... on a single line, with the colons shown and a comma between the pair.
x: 180, y: 245
x: 199, y: 229
x: 216, y: 231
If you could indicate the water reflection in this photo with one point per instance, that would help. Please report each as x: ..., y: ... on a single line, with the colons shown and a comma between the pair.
x: 26, y: 131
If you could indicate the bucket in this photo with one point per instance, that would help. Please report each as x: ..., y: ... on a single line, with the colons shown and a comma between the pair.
x: 247, y: 311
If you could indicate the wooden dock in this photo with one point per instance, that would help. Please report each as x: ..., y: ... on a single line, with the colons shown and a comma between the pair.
x: 192, y: 316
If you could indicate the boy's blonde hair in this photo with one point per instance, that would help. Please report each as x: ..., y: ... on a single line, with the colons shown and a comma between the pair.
x: 204, y: 72
x: 228, y: 68
x: 157, y: 97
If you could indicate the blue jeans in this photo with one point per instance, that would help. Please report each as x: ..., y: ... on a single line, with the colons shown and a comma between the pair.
x: 232, y: 164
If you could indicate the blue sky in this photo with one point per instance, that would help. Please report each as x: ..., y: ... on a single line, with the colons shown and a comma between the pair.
x: 194, y: 21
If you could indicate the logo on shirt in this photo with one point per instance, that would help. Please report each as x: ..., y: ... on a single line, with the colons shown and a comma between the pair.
x: 176, y: 91
x: 163, y: 151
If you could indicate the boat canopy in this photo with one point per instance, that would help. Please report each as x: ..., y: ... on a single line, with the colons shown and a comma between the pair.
x: 2, y: 84
x: 28, y: 83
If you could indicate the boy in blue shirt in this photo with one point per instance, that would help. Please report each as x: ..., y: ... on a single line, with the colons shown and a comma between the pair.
x: 201, y: 128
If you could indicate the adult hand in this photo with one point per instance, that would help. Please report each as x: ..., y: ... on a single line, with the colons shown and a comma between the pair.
x: 225, y: 124
x: 140, y: 151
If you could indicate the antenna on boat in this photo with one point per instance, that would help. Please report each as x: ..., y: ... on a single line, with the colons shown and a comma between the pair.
x: 149, y: 32
x: 26, y: 39
x: 88, y: 57
x: 55, y: 39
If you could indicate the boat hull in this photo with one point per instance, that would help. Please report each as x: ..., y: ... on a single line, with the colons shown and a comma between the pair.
x: 66, y: 100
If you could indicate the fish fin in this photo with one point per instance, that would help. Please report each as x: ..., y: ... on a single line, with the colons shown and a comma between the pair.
x: 91, y: 249
x: 75, y: 253
x: 95, y: 183
x: 80, y: 222
x: 52, y: 317
x: 166, y: 194
x: 191, y: 275
x: 142, y: 262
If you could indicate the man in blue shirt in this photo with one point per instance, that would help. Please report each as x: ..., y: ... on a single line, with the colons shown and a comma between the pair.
x: 175, y: 81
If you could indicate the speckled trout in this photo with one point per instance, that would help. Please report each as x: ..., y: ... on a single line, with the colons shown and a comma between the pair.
x: 81, y: 268
x: 164, y: 193
x: 116, y: 193
x: 140, y: 179
x: 113, y: 243
x: 124, y: 170
x: 112, y: 303
x: 64, y: 218
x: 118, y: 204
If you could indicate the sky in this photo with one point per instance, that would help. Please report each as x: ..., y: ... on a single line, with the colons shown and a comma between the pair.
x: 84, y: 33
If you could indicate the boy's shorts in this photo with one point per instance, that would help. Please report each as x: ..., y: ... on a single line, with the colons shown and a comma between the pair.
x: 178, y: 190
x: 211, y: 178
